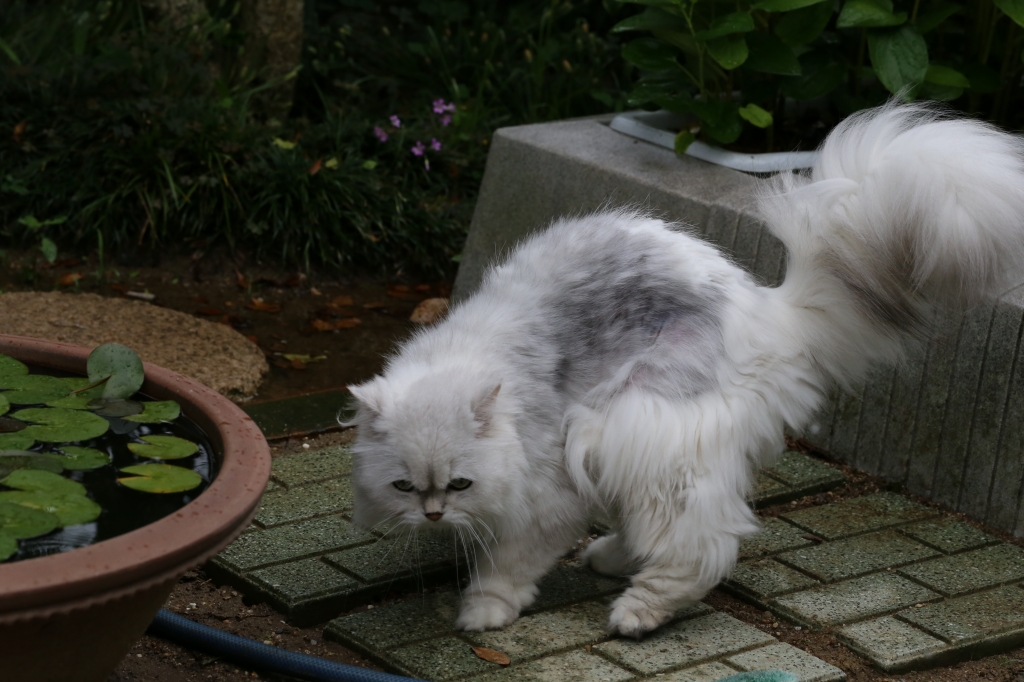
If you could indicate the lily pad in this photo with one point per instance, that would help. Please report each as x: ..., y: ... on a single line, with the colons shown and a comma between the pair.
x: 61, y: 425
x: 115, y: 408
x: 9, y: 425
x: 11, y: 367
x: 69, y: 509
x: 5, y: 404
x: 77, y: 401
x: 80, y: 459
x: 17, y: 521
x: 32, y: 389
x: 164, y: 447
x: 13, y: 460
x: 8, y: 547
x: 16, y: 441
x: 44, y: 481
x: 157, y: 411
x: 160, y: 478
x: 121, y: 364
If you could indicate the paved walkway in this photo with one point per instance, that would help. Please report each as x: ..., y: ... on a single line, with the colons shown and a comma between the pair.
x: 898, y: 583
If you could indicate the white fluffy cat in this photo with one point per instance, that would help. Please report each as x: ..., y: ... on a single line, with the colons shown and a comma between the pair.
x: 615, y: 361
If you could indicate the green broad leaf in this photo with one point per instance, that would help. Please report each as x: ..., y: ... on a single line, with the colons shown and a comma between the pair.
x: 11, y: 425
x: 820, y: 76
x: 803, y: 25
x: 786, y: 5
x: 730, y: 51
x: 652, y: 19
x: 61, y: 425
x: 939, y: 93
x: 115, y: 408
x: 13, y: 460
x: 49, y: 249
x: 656, y: 85
x: 21, y: 522
x: 5, y: 404
x: 164, y: 447
x: 121, y: 364
x: 160, y: 478
x: 683, y: 40
x: 1013, y: 9
x: 71, y: 510
x: 81, y: 459
x: 768, y: 54
x: 157, y: 411
x: 943, y: 75
x: 16, y: 441
x: 78, y: 401
x: 44, y: 481
x: 984, y: 79
x: 32, y: 389
x: 869, y: 14
x: 683, y: 141
x: 11, y: 367
x: 8, y: 547
x: 934, y: 14
x: 737, y: 22
x: 648, y: 54
x: 728, y: 126
x: 899, y: 57
x: 756, y: 116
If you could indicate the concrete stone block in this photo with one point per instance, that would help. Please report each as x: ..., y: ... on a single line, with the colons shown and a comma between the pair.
x: 420, y: 617
x: 970, y: 571
x: 846, y: 425
x: 575, y: 666
x: 568, y: 583
x: 766, y: 578
x: 775, y: 536
x: 685, y: 643
x: 437, y: 660
x: 931, y: 412
x: 973, y: 619
x: 859, y: 515
x: 706, y: 672
x: 285, y: 506
x: 305, y: 591
x: 856, y: 556
x: 295, y: 541
x: 548, y: 632
x: 948, y: 536
x: 899, y: 428
x: 768, y: 491
x: 788, y: 658
x: 1008, y: 479
x: 312, y: 467
x: 851, y: 600
x: 874, y: 413
x: 805, y: 473
x: 395, y: 558
x: 892, y: 645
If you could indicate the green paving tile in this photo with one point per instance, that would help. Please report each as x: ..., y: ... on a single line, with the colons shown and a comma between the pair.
x: 948, y: 536
x: 970, y: 571
x: 396, y: 557
x: 767, y: 578
x: 305, y: 414
x: 420, y: 617
x: 684, y: 643
x: 805, y: 473
x: 775, y: 536
x: 296, y: 504
x: 312, y: 467
x: 858, y: 555
x: 970, y: 619
x: 768, y: 491
x: 575, y: 666
x: 891, y: 644
x: 787, y: 657
x: 296, y: 541
x: 568, y: 583
x: 859, y: 515
x: 547, y: 632
x: 856, y: 599
x: 706, y: 672
x: 306, y: 591
x: 438, y: 660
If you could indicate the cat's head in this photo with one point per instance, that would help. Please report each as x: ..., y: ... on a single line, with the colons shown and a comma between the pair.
x: 434, y: 451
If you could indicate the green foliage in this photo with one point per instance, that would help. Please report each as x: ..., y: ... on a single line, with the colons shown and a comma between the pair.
x: 836, y: 55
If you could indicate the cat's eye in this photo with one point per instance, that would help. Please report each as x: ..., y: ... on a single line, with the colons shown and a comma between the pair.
x: 459, y: 483
x: 404, y: 486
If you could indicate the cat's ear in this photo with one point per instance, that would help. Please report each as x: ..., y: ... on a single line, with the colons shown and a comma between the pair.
x: 483, y: 408
x: 370, y: 397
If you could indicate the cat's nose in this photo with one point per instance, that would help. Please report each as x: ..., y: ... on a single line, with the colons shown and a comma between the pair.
x: 434, y: 516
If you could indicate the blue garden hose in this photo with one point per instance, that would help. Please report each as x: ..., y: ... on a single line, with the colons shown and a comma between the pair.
x: 257, y: 656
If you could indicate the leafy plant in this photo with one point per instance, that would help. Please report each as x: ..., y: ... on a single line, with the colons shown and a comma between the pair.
x: 733, y: 66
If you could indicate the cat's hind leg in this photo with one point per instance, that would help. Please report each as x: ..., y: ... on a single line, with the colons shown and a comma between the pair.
x: 610, y: 556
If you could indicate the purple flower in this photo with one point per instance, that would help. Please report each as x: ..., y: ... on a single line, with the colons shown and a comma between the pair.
x: 380, y: 134
x: 435, y: 144
x: 418, y: 148
x: 440, y: 106
x: 446, y: 119
x: 395, y: 121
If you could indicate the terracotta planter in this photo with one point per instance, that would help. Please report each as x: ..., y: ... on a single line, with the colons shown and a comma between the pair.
x: 73, y: 616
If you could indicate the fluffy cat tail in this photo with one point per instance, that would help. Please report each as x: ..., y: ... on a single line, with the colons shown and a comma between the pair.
x: 908, y: 211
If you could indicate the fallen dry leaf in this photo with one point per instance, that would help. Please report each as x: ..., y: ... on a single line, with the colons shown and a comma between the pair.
x: 118, y: 288
x: 69, y: 279
x: 243, y: 281
x: 19, y: 130
x: 315, y: 168
x: 262, y: 306
x: 374, y: 305
x: 429, y: 311
x: 328, y: 326
x: 342, y: 301
x: 253, y: 338
x: 492, y: 656
x: 298, y: 364
x: 404, y: 292
x: 423, y: 287
x: 200, y: 299
x: 212, y: 312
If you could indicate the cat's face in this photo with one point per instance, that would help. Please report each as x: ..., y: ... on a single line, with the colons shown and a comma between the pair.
x: 435, y: 455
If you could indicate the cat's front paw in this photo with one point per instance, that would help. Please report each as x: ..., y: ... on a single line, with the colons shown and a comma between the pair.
x: 485, y: 613
x: 632, y: 617
x: 607, y: 556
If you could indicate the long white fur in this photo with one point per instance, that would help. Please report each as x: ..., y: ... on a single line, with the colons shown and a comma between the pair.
x: 556, y: 390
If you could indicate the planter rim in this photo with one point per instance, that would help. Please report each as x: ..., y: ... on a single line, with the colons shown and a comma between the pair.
x: 191, y: 534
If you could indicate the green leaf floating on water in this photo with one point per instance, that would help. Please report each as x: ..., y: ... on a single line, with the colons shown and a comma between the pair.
x: 5, y: 404
x: 8, y: 547
x: 46, y: 481
x: 77, y: 401
x: 160, y: 478
x: 121, y: 364
x: 16, y: 441
x: 69, y: 509
x: 32, y: 389
x: 80, y: 459
x: 18, y: 522
x: 157, y: 411
x: 11, y: 367
x: 164, y: 447
x: 61, y: 425
x: 13, y: 460
x: 115, y: 408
